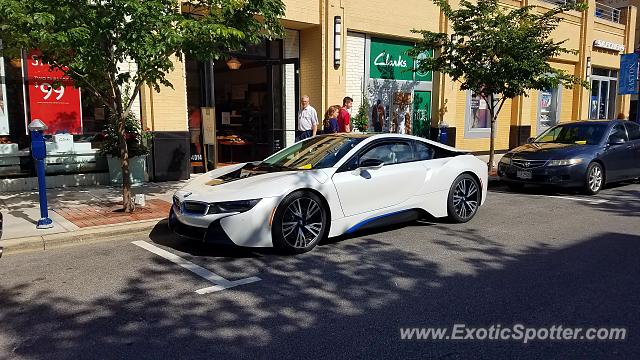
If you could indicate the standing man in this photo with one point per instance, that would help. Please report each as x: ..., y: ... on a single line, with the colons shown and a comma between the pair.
x: 307, y: 120
x: 344, y: 118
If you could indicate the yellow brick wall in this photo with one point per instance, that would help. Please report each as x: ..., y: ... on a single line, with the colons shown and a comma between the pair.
x: 306, y: 11
x: 169, y: 105
x: 311, y: 64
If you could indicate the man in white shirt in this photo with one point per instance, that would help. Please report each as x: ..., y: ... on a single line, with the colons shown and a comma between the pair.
x: 307, y: 120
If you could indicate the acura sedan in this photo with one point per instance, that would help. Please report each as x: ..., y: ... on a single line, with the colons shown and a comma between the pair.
x: 327, y: 186
x: 584, y: 154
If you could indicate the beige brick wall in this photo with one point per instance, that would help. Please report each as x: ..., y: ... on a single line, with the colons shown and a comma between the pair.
x: 311, y: 66
x: 168, y: 112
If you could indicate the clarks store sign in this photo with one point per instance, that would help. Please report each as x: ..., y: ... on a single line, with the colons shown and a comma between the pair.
x: 603, y: 44
x: 389, y: 60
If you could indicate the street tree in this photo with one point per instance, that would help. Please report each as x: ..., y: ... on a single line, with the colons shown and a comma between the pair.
x: 498, y: 52
x: 92, y: 40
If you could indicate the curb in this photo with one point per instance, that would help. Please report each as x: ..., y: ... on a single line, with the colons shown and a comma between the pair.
x: 86, y: 235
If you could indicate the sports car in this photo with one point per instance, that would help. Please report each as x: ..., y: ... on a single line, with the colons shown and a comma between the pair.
x: 327, y: 186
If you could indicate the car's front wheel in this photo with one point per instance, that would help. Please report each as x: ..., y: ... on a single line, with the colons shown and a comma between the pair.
x: 300, y: 222
x: 464, y: 199
x: 594, y: 178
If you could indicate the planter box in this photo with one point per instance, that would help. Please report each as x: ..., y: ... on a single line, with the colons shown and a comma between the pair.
x: 137, y: 170
x: 8, y: 149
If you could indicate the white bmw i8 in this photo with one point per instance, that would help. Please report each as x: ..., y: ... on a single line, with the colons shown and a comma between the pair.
x: 327, y: 186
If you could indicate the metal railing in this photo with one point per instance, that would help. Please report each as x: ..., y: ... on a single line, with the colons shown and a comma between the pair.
x: 607, y: 12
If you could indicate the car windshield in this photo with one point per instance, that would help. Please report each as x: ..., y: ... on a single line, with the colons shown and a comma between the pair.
x: 315, y: 153
x: 579, y: 133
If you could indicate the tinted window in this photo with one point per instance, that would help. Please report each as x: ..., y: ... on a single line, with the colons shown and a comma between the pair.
x: 580, y: 133
x: 424, y: 151
x: 634, y: 130
x: 315, y: 153
x: 389, y: 153
x: 619, y: 132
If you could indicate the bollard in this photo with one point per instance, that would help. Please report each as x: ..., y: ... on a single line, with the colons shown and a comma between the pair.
x: 39, y: 152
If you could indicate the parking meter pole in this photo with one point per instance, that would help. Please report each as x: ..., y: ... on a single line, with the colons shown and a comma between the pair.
x: 38, y: 152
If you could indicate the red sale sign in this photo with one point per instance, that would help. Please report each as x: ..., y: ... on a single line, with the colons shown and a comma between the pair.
x: 53, y: 98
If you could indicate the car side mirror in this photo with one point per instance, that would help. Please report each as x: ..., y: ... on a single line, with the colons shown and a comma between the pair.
x: 530, y: 140
x: 616, y: 140
x: 371, y: 164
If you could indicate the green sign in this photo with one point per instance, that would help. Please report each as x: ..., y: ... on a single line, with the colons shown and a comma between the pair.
x: 421, y: 125
x: 389, y: 60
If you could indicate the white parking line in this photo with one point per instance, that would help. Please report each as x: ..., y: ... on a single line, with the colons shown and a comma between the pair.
x: 220, y: 282
x: 591, y: 201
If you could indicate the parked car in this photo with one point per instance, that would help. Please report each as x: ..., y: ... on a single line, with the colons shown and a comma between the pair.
x: 329, y: 185
x: 584, y: 154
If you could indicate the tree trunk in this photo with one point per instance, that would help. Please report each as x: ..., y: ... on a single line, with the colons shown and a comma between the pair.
x: 492, y: 139
x: 127, y: 197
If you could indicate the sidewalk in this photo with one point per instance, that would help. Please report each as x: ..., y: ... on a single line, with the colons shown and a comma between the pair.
x: 80, y: 213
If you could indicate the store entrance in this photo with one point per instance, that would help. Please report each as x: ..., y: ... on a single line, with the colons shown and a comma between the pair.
x: 255, y: 109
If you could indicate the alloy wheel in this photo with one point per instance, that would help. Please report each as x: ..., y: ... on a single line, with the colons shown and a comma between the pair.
x: 465, y: 198
x: 595, y: 178
x: 302, y: 223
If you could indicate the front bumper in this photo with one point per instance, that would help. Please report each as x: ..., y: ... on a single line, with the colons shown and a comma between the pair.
x: 214, y: 233
x: 248, y: 229
x: 562, y: 176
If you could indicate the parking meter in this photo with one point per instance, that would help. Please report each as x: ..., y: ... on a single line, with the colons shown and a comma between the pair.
x: 39, y: 152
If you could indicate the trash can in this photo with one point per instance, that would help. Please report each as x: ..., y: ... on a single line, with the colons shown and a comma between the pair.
x: 171, y: 153
x: 442, y: 133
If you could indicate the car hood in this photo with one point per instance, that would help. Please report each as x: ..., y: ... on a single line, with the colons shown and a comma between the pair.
x: 546, y: 151
x: 246, y: 181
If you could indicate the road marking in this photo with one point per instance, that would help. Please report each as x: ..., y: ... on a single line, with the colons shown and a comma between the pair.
x: 591, y: 201
x: 220, y: 282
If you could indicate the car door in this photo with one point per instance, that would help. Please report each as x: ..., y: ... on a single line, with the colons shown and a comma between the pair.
x: 633, y: 130
x: 617, y: 157
x: 363, y: 190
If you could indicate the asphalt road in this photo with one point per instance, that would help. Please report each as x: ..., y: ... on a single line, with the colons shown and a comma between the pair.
x: 532, y: 259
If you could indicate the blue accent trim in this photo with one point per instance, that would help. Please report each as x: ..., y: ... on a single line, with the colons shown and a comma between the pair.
x: 357, y: 226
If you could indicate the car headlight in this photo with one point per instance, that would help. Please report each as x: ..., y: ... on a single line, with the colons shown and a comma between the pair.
x: 232, y: 206
x: 505, y: 160
x: 566, y: 162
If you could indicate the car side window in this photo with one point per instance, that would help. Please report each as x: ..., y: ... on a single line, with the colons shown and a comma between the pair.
x: 423, y: 151
x: 633, y: 129
x: 389, y: 153
x: 618, y: 132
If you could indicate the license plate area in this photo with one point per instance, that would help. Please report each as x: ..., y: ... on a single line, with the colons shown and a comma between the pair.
x: 524, y: 174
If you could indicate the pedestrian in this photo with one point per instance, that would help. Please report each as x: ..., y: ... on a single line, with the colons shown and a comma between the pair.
x: 344, y: 118
x: 377, y: 116
x: 330, y: 123
x: 307, y: 120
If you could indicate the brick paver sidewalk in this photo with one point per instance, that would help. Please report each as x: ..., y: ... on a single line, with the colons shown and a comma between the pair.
x: 111, y: 213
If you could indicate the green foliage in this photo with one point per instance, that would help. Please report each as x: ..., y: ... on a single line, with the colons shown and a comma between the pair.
x: 135, y: 137
x: 498, y: 51
x: 361, y: 119
x: 90, y: 40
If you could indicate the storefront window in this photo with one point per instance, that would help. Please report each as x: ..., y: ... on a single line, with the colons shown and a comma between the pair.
x: 548, y: 109
x: 604, y: 86
x: 477, y: 117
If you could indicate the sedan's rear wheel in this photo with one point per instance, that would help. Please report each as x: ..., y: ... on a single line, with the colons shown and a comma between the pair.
x: 594, y: 178
x: 464, y: 198
x: 300, y: 222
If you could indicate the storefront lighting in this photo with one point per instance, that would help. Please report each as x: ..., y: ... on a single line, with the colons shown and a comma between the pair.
x: 588, y: 75
x: 234, y: 64
x: 337, y: 30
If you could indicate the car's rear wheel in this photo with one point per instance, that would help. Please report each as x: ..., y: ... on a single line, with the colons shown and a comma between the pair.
x: 594, y: 181
x: 300, y: 222
x: 464, y: 199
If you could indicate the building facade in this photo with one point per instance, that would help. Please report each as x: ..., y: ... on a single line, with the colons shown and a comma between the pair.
x: 245, y: 107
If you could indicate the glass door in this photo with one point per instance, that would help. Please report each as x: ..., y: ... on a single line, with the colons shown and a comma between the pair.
x: 603, y: 98
x: 285, y: 91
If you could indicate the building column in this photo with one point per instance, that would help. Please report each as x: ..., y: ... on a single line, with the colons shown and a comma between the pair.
x: 582, y: 95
